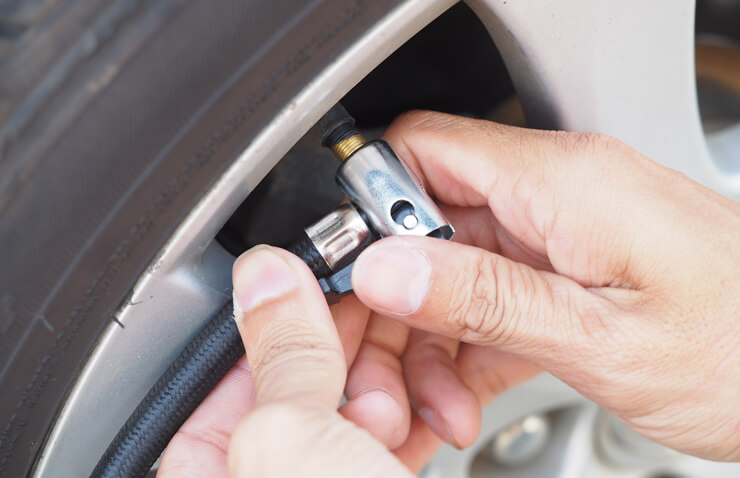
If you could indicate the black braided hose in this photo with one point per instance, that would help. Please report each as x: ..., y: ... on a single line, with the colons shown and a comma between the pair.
x: 183, y: 386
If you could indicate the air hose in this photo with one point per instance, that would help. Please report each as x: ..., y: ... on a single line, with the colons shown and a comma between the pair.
x: 183, y: 386
x: 384, y: 200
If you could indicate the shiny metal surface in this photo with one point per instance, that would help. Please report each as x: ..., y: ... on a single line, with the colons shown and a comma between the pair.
x: 339, y: 236
x: 522, y: 441
x: 344, y: 149
x: 621, y: 68
x: 380, y: 187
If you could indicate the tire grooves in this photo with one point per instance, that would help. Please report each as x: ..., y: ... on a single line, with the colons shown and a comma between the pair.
x: 13, y: 431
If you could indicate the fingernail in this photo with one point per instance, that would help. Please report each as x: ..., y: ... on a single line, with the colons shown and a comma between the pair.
x: 392, y: 278
x: 438, y: 425
x: 371, y: 389
x: 378, y: 402
x: 260, y: 274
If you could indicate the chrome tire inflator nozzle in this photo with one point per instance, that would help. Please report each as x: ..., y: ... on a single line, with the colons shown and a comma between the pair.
x: 385, y: 199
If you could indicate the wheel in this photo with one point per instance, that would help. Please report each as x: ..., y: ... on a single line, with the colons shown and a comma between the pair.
x: 133, y: 130
x: 119, y: 117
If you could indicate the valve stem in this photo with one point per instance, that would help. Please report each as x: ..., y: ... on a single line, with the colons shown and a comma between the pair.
x: 346, y: 147
x: 339, y: 134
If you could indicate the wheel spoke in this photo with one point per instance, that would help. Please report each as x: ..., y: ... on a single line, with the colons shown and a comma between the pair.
x: 621, y: 68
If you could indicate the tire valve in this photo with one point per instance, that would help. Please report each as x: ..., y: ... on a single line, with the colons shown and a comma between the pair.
x: 338, y: 133
x: 385, y: 199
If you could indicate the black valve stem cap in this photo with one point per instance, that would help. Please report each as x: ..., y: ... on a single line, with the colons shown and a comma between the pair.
x: 338, y: 132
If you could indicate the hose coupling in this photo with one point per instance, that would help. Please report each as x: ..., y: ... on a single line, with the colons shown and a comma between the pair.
x: 385, y: 199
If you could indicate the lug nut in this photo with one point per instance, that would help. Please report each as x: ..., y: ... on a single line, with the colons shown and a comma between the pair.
x: 521, y: 442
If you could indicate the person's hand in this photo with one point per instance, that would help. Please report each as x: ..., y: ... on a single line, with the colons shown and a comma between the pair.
x: 298, y: 366
x: 293, y: 349
x: 612, y: 272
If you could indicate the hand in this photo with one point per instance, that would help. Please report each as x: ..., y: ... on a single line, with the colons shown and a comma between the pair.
x: 294, y: 351
x: 615, y: 274
x: 298, y: 369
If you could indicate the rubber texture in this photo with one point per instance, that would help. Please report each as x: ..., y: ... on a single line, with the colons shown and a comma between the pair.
x: 121, y: 115
x: 336, y: 125
x: 184, y: 385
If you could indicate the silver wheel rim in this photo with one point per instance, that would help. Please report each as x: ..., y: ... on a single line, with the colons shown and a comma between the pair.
x: 574, y: 64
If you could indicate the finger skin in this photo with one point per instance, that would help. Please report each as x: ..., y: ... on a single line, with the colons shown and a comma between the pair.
x: 467, y: 293
x: 290, y: 338
x: 378, y: 367
x: 350, y: 317
x: 299, y: 369
x: 420, y: 447
x: 200, y: 446
x: 482, y: 298
x: 614, y: 273
x: 376, y: 395
x: 376, y: 411
x: 528, y: 178
x: 475, y: 226
x: 285, y: 439
x: 488, y: 373
x: 438, y: 393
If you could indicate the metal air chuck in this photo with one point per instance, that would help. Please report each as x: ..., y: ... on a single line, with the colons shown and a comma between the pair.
x: 384, y: 199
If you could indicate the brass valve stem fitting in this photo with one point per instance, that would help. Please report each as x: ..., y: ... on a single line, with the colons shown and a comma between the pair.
x: 339, y: 134
x: 346, y: 147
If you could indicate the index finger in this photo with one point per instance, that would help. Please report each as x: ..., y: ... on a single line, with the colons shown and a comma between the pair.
x: 464, y: 161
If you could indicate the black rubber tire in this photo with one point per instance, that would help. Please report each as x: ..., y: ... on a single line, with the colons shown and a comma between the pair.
x: 116, y: 117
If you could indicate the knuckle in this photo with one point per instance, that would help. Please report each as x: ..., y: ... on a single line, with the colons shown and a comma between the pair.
x: 586, y: 143
x: 481, y: 307
x: 597, y: 155
x: 283, y: 343
x: 415, y: 119
x: 432, y: 122
x: 595, y: 142
x: 492, y: 384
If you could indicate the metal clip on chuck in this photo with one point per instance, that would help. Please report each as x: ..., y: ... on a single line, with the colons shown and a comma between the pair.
x: 385, y: 199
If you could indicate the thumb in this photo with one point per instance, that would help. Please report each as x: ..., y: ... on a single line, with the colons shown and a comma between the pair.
x: 289, y: 335
x: 470, y: 294
x: 298, y: 365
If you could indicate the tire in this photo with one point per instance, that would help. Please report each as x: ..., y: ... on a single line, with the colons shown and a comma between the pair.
x: 117, y: 116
